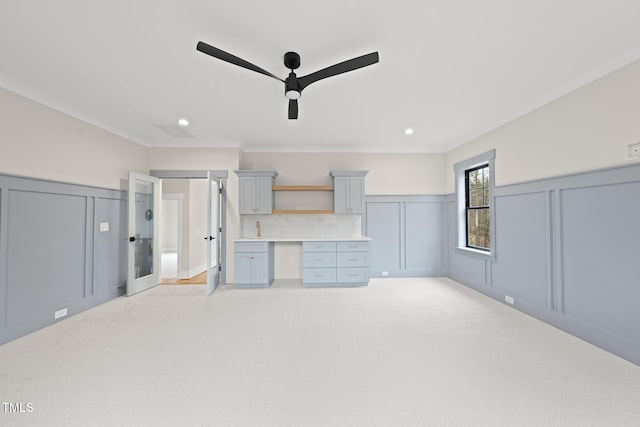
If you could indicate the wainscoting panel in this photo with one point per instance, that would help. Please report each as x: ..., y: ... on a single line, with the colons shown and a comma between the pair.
x: 423, y: 231
x: 567, y: 250
x: 407, y: 234
x: 46, y: 252
x: 601, y: 256
x: 110, y: 269
x: 468, y: 270
x: 55, y: 260
x: 383, y: 226
x: 520, y: 267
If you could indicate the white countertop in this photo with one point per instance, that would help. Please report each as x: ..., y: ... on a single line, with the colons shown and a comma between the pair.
x: 303, y: 239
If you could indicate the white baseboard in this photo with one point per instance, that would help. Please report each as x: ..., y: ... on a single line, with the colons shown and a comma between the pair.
x: 193, y: 272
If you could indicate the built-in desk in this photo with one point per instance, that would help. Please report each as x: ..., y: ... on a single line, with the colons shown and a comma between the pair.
x: 326, y: 262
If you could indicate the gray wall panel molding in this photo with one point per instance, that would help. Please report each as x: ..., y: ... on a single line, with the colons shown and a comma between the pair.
x: 3, y: 258
x: 407, y: 233
x: 49, y: 229
x: 16, y: 181
x: 572, y: 262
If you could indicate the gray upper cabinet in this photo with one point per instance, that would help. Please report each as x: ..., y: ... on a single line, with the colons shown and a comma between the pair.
x: 256, y: 191
x: 348, y: 191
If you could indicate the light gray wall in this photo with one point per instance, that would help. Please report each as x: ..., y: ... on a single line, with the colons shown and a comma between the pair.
x: 567, y: 251
x: 585, y: 130
x: 53, y: 252
x: 407, y: 235
x: 40, y: 142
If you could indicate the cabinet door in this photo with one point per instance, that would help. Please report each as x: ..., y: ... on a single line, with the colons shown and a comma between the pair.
x: 264, y: 195
x: 243, y: 268
x: 247, y: 195
x: 259, y: 268
x: 341, y: 194
x: 356, y: 195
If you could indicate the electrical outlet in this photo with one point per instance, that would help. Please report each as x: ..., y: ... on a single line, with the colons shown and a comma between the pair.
x: 385, y: 273
x: 60, y: 313
x: 509, y: 299
x: 633, y: 151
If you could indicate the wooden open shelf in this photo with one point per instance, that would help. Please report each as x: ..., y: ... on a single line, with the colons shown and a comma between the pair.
x: 302, y: 188
x: 301, y: 212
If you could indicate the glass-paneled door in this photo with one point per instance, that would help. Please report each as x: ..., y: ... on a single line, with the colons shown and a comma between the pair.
x: 143, y: 266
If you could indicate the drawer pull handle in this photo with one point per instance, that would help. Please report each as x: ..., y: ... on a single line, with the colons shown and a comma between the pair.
x: 319, y: 259
x: 317, y: 275
x: 353, y: 275
x: 353, y: 259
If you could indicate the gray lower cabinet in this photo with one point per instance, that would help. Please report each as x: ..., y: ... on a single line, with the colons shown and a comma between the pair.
x: 327, y: 263
x: 253, y: 264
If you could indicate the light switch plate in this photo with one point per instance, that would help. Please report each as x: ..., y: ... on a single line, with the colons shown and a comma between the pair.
x: 104, y: 226
x: 633, y: 151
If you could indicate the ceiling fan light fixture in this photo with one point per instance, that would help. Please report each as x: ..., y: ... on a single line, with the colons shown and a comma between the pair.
x: 183, y: 122
x: 408, y: 131
x: 292, y: 94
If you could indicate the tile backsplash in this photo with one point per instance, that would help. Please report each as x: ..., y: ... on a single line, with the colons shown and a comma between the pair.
x: 320, y: 225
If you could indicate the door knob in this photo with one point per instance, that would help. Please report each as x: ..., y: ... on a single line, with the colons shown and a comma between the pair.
x: 132, y: 239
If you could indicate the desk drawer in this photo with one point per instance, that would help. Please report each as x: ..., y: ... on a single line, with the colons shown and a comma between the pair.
x: 353, y: 259
x: 318, y: 246
x: 252, y: 246
x: 353, y: 246
x: 318, y: 259
x: 319, y: 275
x: 352, y: 275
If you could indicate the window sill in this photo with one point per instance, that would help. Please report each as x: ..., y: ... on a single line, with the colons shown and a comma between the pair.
x: 476, y: 253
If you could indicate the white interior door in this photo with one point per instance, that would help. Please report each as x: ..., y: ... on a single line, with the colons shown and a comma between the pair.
x: 213, y: 236
x: 143, y: 266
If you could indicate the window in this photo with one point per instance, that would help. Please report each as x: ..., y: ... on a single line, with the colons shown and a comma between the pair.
x: 477, y: 207
x: 474, y: 194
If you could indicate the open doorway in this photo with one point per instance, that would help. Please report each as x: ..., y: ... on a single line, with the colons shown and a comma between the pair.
x: 183, y: 229
x: 170, y: 237
x: 193, y: 215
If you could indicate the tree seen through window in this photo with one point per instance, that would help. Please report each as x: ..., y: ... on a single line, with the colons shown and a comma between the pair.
x: 477, y: 207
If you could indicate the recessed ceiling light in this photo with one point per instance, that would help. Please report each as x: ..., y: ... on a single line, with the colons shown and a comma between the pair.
x: 183, y: 122
x: 408, y: 131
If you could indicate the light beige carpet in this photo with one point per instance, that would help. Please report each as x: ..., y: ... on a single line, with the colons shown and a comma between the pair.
x: 401, y: 352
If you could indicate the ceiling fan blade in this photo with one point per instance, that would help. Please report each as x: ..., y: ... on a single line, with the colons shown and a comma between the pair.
x: 293, y: 109
x: 227, y: 57
x: 343, y: 67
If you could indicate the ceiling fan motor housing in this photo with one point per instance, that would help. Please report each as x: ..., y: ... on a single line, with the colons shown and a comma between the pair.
x: 291, y: 60
x: 292, y: 86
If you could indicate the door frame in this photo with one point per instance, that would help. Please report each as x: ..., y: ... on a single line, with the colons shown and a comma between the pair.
x: 220, y: 176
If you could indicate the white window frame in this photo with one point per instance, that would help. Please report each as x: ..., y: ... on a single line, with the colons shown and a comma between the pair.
x: 460, y: 168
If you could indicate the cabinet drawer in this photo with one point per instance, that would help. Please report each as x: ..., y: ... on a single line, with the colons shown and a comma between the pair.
x: 319, y: 275
x: 318, y: 246
x: 352, y: 275
x: 353, y: 259
x: 318, y: 259
x: 353, y: 246
x: 251, y: 246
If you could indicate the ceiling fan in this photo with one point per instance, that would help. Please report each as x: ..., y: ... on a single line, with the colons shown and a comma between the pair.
x: 293, y: 85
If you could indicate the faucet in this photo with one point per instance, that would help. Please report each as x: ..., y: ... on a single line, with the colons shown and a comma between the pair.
x: 258, y: 227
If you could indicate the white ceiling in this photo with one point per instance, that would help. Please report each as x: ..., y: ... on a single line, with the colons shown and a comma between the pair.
x: 451, y: 70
